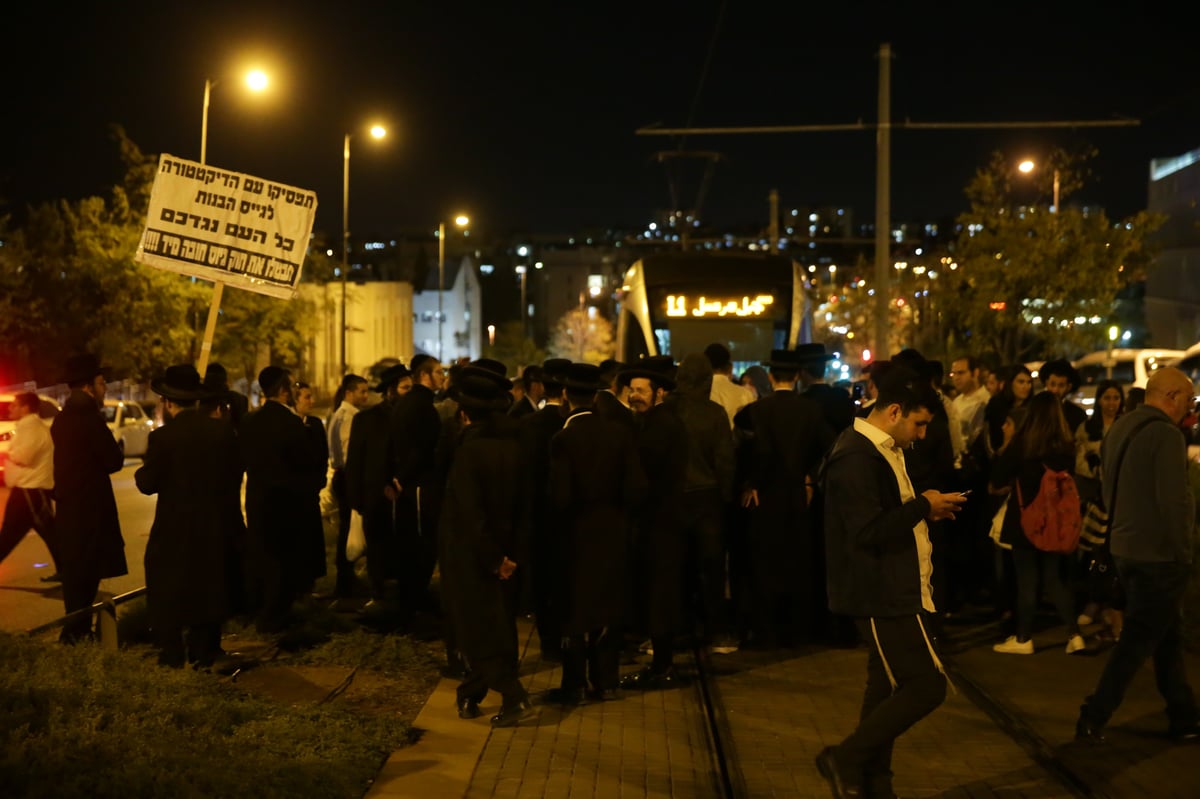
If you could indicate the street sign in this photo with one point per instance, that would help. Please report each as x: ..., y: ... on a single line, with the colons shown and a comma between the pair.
x: 227, y: 227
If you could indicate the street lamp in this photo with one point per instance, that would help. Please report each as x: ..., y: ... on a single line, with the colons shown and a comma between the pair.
x: 256, y: 81
x: 377, y: 132
x: 461, y: 221
x: 1028, y: 166
x: 521, y: 270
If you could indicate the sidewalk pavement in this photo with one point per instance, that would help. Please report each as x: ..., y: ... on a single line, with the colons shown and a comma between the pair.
x: 780, y: 710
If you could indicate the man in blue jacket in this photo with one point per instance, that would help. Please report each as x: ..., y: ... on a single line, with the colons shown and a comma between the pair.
x: 878, y: 559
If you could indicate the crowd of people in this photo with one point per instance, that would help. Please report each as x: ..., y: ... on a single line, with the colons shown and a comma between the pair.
x: 661, y: 503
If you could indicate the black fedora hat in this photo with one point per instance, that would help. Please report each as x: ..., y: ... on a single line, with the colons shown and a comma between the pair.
x: 492, y: 365
x: 482, y: 388
x: 784, y: 359
x: 582, y: 377
x: 181, y: 383
x: 658, y: 369
x: 814, y: 351
x: 390, y: 377
x: 82, y: 368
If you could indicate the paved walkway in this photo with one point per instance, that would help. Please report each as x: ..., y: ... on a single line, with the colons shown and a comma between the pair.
x: 780, y: 710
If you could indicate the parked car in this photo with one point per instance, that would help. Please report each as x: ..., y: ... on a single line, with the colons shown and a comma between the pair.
x: 48, y: 408
x: 130, y: 425
x: 1129, y: 367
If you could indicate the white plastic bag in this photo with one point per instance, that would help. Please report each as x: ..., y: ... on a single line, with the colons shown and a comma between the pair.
x: 356, y: 542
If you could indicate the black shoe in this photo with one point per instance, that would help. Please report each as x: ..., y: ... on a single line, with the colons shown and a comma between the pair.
x: 1185, y: 733
x: 827, y: 765
x: 1088, y: 732
x: 651, y: 680
x: 605, y: 695
x: 512, y: 716
x: 52, y: 578
x: 468, y: 709
x: 566, y: 696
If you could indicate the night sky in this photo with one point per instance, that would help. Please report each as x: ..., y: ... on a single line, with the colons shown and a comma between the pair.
x: 523, y: 115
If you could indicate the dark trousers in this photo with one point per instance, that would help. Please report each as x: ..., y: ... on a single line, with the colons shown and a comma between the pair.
x: 595, y: 658
x: 197, y: 643
x: 79, y: 585
x: 1153, y: 618
x: 498, y: 673
x: 1028, y: 563
x: 27, y: 509
x: 345, y: 569
x: 865, y: 757
x: 703, y: 535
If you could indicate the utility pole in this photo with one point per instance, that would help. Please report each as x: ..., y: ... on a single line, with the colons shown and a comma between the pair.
x: 884, y: 126
x: 773, y: 224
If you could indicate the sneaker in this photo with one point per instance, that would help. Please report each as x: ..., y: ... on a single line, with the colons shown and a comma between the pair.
x: 1012, y: 646
x: 1076, y: 644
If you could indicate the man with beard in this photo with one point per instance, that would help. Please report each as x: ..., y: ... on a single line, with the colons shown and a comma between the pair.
x: 662, y: 446
x: 87, y: 527
x: 481, y: 551
x: 192, y: 464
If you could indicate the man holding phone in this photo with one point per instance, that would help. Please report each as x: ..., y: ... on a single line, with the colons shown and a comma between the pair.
x: 879, y: 567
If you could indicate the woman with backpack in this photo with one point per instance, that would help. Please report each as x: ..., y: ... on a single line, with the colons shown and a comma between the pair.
x: 1036, y: 459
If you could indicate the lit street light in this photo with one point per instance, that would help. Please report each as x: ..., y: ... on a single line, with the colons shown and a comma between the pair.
x: 256, y: 81
x: 1027, y: 166
x: 377, y: 132
x: 461, y: 221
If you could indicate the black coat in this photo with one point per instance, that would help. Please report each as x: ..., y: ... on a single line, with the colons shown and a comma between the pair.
x: 87, y: 525
x: 282, y: 472
x: 535, y: 432
x: 872, y: 566
x: 192, y: 464
x: 608, y: 406
x: 596, y: 482
x: 414, y: 437
x: 790, y: 438
x: 477, y: 532
x: 314, y: 532
x: 836, y: 405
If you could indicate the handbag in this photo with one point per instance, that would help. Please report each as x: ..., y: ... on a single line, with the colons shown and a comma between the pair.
x: 356, y: 541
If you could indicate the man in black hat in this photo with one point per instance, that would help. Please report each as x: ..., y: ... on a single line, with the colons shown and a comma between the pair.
x: 369, y: 484
x: 281, y: 471
x: 537, y: 527
x: 596, y: 482
x: 612, y: 400
x: 790, y: 436
x: 481, y: 552
x: 87, y: 525
x: 231, y: 405
x: 535, y: 390
x: 192, y: 464
x: 1062, y: 380
x: 836, y: 404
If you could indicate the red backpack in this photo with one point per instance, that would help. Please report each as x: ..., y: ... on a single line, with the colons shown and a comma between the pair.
x: 1052, y: 521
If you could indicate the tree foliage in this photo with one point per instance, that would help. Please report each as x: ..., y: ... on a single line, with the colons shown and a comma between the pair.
x: 513, y: 348
x: 69, y: 284
x: 1031, y: 282
x: 582, y: 337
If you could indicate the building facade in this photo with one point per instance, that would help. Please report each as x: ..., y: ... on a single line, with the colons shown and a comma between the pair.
x: 1172, y: 298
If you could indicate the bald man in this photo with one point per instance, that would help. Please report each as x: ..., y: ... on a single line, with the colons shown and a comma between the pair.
x: 1151, y: 518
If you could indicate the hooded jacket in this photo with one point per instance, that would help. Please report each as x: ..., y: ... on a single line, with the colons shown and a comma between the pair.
x: 710, y: 462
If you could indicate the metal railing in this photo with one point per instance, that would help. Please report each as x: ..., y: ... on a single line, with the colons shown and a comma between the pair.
x: 105, y: 612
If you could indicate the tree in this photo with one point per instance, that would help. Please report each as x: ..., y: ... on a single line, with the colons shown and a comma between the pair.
x: 582, y: 336
x: 1033, y: 282
x: 513, y: 348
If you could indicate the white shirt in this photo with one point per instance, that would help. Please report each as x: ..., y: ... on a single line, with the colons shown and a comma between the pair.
x: 729, y: 395
x: 895, y: 458
x: 970, y: 409
x: 31, y: 456
x: 339, y: 434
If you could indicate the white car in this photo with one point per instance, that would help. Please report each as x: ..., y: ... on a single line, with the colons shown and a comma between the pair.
x: 1129, y: 367
x: 47, y: 410
x: 130, y: 425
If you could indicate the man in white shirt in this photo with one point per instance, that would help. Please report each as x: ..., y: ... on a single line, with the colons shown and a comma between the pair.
x: 354, y: 397
x: 30, y: 475
x: 726, y: 393
x: 970, y: 402
x: 879, y: 564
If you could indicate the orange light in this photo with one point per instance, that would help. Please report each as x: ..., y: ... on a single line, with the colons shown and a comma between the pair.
x: 997, y: 306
